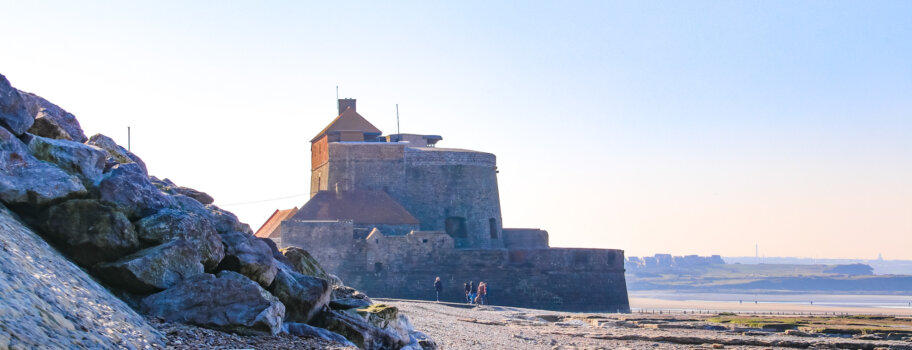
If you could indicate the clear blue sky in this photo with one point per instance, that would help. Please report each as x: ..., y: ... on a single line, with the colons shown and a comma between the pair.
x: 680, y: 126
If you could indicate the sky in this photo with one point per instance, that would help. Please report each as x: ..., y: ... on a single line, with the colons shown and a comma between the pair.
x: 682, y: 127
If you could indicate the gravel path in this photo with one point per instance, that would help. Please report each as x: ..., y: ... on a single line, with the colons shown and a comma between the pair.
x: 460, y: 326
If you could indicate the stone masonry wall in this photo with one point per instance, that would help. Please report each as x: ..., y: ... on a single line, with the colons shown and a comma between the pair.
x: 453, y: 183
x: 541, y: 278
x: 525, y: 238
x: 333, y: 238
x: 405, y: 267
x: 432, y: 183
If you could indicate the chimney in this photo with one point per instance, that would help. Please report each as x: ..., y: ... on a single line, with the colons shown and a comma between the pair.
x: 345, y: 103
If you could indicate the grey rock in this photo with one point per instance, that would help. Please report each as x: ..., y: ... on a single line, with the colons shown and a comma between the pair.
x: 25, y: 180
x: 304, y: 263
x: 303, y: 296
x: 152, y: 269
x: 334, y: 280
x: 249, y: 256
x: 345, y: 292
x: 13, y: 113
x: 128, y: 187
x: 47, y: 302
x: 230, y: 302
x: 51, y: 120
x: 348, y: 303
x: 306, y: 330
x: 89, y: 231
x: 171, y: 224
x: 86, y: 162
x: 358, y: 331
x: 386, y: 317
x: 116, y: 153
x: 276, y: 253
x: 169, y: 187
x: 225, y: 221
x: 424, y: 342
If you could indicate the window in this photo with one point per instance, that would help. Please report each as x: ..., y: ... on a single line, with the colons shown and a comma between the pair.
x: 456, y: 226
x: 493, y: 223
x: 378, y: 267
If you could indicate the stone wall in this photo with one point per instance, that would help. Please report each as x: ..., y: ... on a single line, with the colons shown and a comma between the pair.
x: 376, y: 166
x: 455, y: 184
x: 542, y: 278
x: 333, y: 238
x: 435, y: 185
x: 405, y: 267
x: 525, y: 238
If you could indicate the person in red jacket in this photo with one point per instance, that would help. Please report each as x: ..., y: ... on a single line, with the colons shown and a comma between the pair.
x: 482, y: 293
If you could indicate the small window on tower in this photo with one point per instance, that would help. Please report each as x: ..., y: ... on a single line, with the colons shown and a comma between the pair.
x: 493, y: 224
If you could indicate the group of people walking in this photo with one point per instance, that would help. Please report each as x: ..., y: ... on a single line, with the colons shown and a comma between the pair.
x: 473, y: 295
x: 477, y: 296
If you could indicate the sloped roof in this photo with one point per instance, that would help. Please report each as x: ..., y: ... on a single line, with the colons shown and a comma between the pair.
x: 349, y: 120
x: 362, y: 207
x: 270, y: 228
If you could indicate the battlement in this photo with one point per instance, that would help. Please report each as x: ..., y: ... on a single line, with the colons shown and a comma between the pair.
x: 448, y: 156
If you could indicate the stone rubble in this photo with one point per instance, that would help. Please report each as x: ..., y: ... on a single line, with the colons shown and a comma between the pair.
x: 164, y: 249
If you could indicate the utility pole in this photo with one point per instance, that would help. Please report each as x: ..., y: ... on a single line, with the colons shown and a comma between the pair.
x: 338, y: 108
x: 128, y: 139
x: 397, y: 123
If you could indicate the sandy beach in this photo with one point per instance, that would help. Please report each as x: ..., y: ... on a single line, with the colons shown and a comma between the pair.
x: 461, y: 326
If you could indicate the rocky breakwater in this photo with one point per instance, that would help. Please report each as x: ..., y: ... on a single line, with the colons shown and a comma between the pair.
x: 163, y: 249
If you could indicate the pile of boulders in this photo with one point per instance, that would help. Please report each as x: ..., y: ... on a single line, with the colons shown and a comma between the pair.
x: 165, y: 249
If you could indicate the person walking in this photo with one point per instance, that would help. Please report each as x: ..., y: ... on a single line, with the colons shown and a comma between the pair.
x: 483, y: 293
x: 438, y: 287
x: 472, y: 292
x: 468, y: 290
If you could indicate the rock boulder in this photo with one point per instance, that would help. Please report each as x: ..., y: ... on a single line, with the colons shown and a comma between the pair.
x: 306, y: 330
x: 304, y: 263
x: 358, y: 331
x: 52, y: 121
x: 229, y: 302
x: 248, y: 256
x: 303, y: 296
x: 86, y: 162
x: 25, y: 180
x: 13, y: 112
x: 128, y: 187
x: 116, y: 153
x: 89, y: 231
x: 152, y: 269
x: 172, y: 224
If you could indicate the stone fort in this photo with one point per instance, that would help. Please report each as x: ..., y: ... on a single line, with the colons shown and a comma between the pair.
x: 388, y: 214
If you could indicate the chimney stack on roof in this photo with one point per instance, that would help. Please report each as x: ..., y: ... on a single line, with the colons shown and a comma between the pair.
x: 345, y: 103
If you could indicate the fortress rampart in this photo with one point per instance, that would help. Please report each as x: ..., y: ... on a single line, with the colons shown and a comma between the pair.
x: 404, y: 266
x: 388, y: 214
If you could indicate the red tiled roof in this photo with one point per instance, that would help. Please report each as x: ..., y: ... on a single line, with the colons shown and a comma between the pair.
x: 349, y: 120
x: 361, y: 207
x: 271, y: 226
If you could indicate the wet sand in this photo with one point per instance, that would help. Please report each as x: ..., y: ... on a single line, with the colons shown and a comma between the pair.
x: 650, y: 304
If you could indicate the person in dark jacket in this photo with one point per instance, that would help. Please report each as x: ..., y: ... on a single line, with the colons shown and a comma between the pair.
x: 438, y: 286
x: 471, y: 292
x: 467, y: 291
